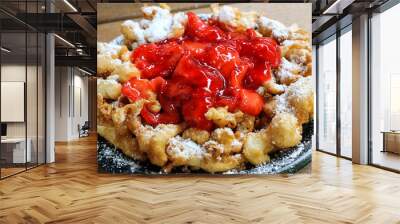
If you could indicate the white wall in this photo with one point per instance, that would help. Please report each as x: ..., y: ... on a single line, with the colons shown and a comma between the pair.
x: 61, y: 103
x: 71, y: 94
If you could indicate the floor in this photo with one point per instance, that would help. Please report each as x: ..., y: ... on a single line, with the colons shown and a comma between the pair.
x: 10, y: 171
x: 5, y: 172
x: 71, y: 191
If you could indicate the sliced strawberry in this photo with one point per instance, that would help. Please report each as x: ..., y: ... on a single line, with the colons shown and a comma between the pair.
x: 178, y: 89
x: 136, y: 89
x: 262, y: 48
x: 258, y: 75
x: 191, y: 71
x: 250, y: 102
x: 194, y: 109
x: 159, y: 118
x: 156, y: 59
x: 196, y: 28
x: 229, y: 97
x: 158, y: 84
x: 251, y: 33
x: 169, y: 105
x: 194, y: 48
x: 183, y: 70
x: 267, y: 49
x: 228, y: 101
x: 224, y: 58
x: 128, y: 91
x: 238, y: 74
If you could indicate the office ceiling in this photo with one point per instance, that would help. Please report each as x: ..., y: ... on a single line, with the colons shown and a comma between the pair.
x: 331, y: 15
x: 72, y: 20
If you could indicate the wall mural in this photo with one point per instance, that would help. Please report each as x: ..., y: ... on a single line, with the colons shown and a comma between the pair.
x: 205, y: 89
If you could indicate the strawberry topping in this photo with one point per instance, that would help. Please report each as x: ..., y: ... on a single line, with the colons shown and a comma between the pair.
x: 211, y: 65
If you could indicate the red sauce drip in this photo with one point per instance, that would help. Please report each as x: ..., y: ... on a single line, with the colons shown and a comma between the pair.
x: 211, y: 65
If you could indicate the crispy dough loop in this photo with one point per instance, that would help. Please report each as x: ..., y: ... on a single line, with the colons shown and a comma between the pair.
x: 223, y: 118
x: 256, y: 147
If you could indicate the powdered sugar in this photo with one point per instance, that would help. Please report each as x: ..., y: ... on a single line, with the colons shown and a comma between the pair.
x: 288, y: 71
x: 234, y: 17
x: 133, y: 31
x: 160, y: 25
x: 179, y: 20
x: 302, y: 88
x: 276, y: 28
x: 226, y: 14
x: 108, y: 49
x: 184, y: 148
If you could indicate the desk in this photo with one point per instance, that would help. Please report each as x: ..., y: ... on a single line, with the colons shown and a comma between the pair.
x: 13, y: 150
x: 391, y: 141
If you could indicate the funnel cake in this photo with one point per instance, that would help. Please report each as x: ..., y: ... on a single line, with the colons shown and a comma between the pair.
x: 214, y: 92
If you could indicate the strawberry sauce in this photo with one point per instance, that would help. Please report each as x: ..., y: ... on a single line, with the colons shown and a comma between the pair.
x: 211, y: 65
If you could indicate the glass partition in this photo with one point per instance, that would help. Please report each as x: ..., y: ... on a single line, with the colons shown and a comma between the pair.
x: 327, y: 96
x: 346, y: 93
x: 385, y: 89
x: 31, y: 98
x: 13, y: 95
x: 22, y: 88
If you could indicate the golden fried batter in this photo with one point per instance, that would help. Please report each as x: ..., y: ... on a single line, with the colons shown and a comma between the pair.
x: 197, y: 135
x: 285, y: 130
x: 221, y: 164
x: 227, y: 138
x: 184, y: 152
x: 127, y: 143
x: 256, y: 147
x: 301, y: 98
x: 109, y: 88
x: 222, y: 118
x: 153, y: 141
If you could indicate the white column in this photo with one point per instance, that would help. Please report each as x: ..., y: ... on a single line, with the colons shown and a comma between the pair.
x: 50, y: 93
x: 360, y: 90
